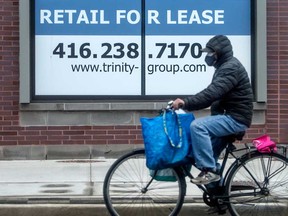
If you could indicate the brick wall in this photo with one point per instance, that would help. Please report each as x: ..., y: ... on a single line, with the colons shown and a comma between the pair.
x: 11, y: 133
x: 9, y: 70
x: 58, y: 135
x: 277, y: 56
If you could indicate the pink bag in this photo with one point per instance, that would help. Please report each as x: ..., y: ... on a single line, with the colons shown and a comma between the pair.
x: 264, y: 144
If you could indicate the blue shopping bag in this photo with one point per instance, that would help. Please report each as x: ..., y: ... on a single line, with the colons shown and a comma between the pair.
x: 167, y: 139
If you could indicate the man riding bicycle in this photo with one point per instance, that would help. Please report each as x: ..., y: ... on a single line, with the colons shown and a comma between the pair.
x: 230, y: 97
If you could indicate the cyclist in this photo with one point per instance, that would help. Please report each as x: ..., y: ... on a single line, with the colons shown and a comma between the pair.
x: 230, y: 97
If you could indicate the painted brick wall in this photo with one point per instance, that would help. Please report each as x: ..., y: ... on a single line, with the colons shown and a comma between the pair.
x: 13, y: 134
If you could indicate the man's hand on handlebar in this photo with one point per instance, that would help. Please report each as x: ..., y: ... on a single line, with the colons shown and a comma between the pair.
x: 178, y: 103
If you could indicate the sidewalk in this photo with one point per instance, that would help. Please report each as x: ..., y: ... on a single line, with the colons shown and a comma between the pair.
x: 72, y: 183
x: 66, y: 187
x: 58, y: 179
x: 30, y: 180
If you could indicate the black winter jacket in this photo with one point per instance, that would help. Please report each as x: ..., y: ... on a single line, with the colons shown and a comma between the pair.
x: 230, y: 91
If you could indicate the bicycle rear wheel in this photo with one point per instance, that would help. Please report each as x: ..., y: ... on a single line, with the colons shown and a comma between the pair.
x: 130, y: 190
x: 258, y: 185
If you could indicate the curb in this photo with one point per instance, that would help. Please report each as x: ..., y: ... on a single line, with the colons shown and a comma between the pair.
x: 98, y: 200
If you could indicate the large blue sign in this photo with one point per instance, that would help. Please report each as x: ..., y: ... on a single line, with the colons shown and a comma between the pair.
x: 127, y: 47
x: 124, y: 17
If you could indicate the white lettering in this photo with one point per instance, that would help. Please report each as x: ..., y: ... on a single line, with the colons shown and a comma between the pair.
x: 153, y: 17
x: 182, y: 17
x: 133, y: 16
x: 219, y: 14
x: 195, y: 17
x: 169, y: 20
x: 45, y: 16
x: 137, y: 17
x: 102, y: 18
x: 120, y: 14
x: 207, y: 17
x: 82, y: 16
x: 94, y: 17
x: 70, y: 14
x: 58, y: 17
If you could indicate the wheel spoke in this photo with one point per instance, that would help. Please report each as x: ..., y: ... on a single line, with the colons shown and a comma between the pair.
x: 259, y: 185
x: 128, y: 189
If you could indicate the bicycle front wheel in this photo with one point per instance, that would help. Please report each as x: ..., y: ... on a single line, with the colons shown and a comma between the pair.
x: 258, y: 185
x: 130, y: 190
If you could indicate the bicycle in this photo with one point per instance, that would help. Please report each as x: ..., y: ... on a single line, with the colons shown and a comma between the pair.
x: 255, y: 183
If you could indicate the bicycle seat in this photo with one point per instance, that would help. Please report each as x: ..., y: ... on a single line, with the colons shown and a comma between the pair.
x: 233, y: 137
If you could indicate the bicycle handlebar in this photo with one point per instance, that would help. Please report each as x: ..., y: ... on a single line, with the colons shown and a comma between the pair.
x: 170, y: 106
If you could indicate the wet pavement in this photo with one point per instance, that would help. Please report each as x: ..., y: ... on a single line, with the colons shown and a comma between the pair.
x: 64, y: 187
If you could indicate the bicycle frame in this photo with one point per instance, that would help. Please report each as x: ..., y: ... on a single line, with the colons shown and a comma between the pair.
x: 257, y: 191
x: 230, y: 151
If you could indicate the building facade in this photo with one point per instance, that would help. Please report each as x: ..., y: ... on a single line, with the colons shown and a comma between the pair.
x: 89, y: 128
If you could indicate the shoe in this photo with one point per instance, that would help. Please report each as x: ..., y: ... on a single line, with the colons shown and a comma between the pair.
x: 205, y: 178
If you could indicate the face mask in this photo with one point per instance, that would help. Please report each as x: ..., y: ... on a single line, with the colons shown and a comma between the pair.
x: 210, y: 59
